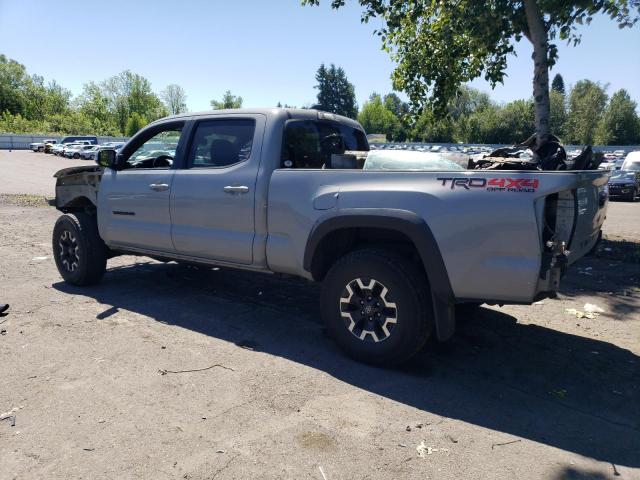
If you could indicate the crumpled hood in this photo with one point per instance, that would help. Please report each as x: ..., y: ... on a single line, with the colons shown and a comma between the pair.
x: 73, y: 170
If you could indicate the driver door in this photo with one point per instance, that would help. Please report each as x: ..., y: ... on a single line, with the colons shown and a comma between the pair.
x: 133, y: 202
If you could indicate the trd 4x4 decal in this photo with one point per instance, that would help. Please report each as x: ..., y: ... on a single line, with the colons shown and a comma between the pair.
x: 491, y: 184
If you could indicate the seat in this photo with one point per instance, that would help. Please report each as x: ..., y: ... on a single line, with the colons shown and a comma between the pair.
x: 223, y: 153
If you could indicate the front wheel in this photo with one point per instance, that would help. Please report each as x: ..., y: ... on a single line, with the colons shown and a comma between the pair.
x: 79, y: 252
x: 377, y: 306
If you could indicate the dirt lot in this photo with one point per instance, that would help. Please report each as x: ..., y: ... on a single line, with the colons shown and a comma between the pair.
x: 521, y: 391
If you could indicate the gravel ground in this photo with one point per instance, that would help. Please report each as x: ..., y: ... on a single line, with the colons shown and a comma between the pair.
x: 89, y: 374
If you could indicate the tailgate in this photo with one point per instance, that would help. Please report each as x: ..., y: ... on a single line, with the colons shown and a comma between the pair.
x: 574, y: 216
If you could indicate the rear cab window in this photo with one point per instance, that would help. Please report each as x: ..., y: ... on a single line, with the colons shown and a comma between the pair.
x: 316, y: 144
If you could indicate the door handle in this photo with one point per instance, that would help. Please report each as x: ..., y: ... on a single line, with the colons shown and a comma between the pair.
x: 236, y: 189
x: 159, y: 187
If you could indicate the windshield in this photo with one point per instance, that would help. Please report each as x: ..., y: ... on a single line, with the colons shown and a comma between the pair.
x: 621, y: 174
x: 408, y: 160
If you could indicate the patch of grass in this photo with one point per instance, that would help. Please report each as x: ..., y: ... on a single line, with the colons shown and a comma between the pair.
x: 26, y: 200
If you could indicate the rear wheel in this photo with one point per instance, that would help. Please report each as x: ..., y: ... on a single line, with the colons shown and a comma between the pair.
x: 377, y: 307
x: 79, y: 252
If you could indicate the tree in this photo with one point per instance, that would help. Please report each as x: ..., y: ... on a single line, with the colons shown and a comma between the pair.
x: 228, y: 101
x: 134, y: 123
x: 335, y: 93
x: 431, y: 128
x: 557, y: 113
x: 130, y: 92
x: 619, y: 124
x: 13, y: 78
x: 586, y: 103
x: 441, y: 45
x: 375, y: 117
x: 175, y: 99
x: 557, y: 84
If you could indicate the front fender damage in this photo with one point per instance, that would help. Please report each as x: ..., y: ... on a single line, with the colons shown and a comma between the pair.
x: 77, y: 187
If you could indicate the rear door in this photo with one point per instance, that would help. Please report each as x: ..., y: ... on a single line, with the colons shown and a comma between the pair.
x: 133, y: 202
x: 212, y: 198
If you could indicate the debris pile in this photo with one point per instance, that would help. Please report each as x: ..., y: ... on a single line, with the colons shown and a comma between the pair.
x: 551, y: 155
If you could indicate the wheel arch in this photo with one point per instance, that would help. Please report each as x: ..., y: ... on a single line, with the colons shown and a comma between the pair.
x: 75, y: 204
x: 340, y: 232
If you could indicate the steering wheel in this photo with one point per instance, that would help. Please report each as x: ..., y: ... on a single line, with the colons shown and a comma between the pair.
x: 162, y: 161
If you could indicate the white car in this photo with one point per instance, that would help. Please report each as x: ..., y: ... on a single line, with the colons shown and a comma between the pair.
x: 632, y: 161
x: 72, y: 150
x: 86, y: 151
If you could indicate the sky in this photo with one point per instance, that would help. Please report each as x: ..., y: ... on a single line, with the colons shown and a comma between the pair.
x: 266, y: 51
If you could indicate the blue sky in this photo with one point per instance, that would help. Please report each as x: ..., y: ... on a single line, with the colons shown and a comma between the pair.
x: 264, y: 50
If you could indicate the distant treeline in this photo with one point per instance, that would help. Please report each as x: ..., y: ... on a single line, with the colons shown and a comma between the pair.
x: 123, y: 104
x: 585, y: 115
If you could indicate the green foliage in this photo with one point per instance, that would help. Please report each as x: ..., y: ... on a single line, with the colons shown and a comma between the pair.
x: 586, y: 103
x: 619, y: 124
x: 228, y: 101
x: 558, y: 113
x: 375, y: 117
x: 128, y: 93
x: 175, y: 99
x: 30, y: 105
x: 557, y: 84
x: 134, y: 123
x: 440, y: 45
x: 335, y: 93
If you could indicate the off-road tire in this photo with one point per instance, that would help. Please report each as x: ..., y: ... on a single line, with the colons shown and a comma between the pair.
x: 79, y: 252
x: 407, y: 288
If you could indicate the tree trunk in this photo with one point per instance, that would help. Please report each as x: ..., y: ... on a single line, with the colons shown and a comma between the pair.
x: 537, y: 34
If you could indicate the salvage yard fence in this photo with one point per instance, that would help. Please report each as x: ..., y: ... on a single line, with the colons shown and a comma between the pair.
x: 21, y: 142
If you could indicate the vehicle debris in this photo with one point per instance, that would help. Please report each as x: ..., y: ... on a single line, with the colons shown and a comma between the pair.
x: 162, y: 371
x: 592, y: 308
x: 551, y: 155
x: 324, y: 477
x: 423, y: 450
x: 10, y: 415
x: 3, y: 308
x: 505, y: 443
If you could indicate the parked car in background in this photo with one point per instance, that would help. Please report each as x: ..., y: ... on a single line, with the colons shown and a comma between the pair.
x: 88, y: 152
x: 625, y: 184
x: 92, y: 153
x: 48, y: 144
x: 36, y: 146
x: 632, y: 161
x: 57, y: 149
x: 81, y: 138
x: 70, y: 149
x: 78, y: 151
x: 609, y: 162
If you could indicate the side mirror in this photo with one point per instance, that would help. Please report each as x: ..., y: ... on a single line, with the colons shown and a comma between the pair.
x: 107, y: 158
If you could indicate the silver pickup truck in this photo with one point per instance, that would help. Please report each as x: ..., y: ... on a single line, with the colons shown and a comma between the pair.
x: 289, y: 191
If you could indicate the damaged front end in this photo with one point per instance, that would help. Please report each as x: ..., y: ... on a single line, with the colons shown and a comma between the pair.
x: 77, y: 187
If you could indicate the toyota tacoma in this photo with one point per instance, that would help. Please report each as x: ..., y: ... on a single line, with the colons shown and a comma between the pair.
x: 289, y: 191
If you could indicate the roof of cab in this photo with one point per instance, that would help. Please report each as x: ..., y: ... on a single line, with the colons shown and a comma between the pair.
x: 291, y: 113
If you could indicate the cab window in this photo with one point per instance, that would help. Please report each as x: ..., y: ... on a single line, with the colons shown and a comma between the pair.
x: 158, y: 151
x: 311, y: 144
x: 221, y: 143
